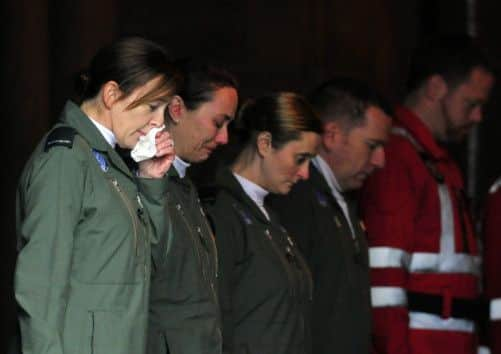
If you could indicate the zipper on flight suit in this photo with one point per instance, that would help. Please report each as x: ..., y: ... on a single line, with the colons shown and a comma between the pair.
x: 283, y: 260
x: 212, y: 237
x: 194, y: 238
x: 130, y: 209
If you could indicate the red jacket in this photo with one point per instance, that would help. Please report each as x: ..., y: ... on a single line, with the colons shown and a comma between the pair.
x: 423, y: 253
x: 492, y: 263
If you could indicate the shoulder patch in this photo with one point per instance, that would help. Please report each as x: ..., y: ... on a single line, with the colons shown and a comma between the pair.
x: 60, y: 136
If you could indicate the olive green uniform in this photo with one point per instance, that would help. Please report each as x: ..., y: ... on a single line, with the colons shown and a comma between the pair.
x: 264, y: 283
x: 83, y: 271
x: 184, y: 310
x: 339, y: 261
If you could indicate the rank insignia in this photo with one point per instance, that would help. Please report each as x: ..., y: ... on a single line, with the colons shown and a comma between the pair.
x: 101, y: 160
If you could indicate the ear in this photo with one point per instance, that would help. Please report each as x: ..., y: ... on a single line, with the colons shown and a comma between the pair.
x: 110, y: 93
x: 436, y: 88
x: 263, y: 143
x: 331, y: 135
x: 176, y: 109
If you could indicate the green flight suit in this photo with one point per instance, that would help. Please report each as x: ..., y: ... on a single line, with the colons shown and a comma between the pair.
x: 341, y: 316
x: 83, y: 271
x: 265, y: 286
x: 184, y: 310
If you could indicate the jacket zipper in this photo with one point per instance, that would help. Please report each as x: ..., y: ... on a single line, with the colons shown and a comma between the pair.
x: 284, y: 261
x: 213, y: 240
x: 130, y: 209
x: 195, y: 240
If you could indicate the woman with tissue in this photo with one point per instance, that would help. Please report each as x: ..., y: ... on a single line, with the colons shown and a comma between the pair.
x: 184, y: 310
x: 86, y: 223
x: 265, y: 286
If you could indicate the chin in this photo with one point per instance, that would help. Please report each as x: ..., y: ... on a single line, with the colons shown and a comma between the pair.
x: 284, y: 190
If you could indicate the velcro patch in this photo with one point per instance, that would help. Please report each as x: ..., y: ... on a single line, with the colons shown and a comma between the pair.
x: 60, y: 136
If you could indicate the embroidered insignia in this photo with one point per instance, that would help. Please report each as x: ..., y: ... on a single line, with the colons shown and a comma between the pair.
x: 101, y: 160
x: 338, y: 222
x: 362, y: 225
x: 321, y: 198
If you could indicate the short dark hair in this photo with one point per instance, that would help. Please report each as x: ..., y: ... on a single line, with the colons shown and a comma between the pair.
x: 346, y: 100
x: 200, y: 80
x: 131, y: 62
x: 285, y: 115
x: 453, y: 57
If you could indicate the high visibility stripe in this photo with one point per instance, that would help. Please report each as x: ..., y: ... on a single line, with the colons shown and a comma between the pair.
x: 441, y: 263
x: 447, y: 244
x: 422, y: 262
x: 388, y: 296
x: 388, y: 257
x: 483, y: 350
x: 495, y: 309
x: 421, y: 320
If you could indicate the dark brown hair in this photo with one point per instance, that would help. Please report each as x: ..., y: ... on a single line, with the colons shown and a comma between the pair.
x: 131, y: 62
x: 285, y: 115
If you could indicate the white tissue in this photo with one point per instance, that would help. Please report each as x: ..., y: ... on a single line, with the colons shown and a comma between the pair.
x: 145, y: 147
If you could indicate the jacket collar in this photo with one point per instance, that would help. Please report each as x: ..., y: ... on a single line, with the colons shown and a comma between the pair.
x: 73, y: 116
x: 226, y: 181
x: 419, y: 131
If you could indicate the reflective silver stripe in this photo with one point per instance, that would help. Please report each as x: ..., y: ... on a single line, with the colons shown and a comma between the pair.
x: 387, y: 296
x: 447, y: 246
x: 388, y: 257
x: 421, y: 320
x: 495, y: 309
x: 440, y: 263
x: 424, y: 262
x: 483, y: 350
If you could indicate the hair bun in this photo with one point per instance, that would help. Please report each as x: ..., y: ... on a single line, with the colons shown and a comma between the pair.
x: 82, y: 83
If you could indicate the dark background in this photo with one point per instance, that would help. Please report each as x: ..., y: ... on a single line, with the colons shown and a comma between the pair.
x: 269, y: 45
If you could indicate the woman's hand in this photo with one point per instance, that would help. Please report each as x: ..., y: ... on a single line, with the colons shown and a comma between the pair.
x: 158, y: 166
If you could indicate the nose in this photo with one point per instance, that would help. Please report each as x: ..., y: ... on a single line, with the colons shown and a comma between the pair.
x: 304, y: 172
x: 476, y: 114
x: 378, y: 157
x: 222, y: 136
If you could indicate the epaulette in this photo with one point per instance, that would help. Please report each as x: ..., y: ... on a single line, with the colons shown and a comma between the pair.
x: 60, y: 136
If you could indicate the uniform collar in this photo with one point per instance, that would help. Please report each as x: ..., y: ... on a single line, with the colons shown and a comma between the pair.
x: 105, y: 132
x: 324, y: 168
x: 255, y: 192
x: 181, y: 166
x: 227, y: 181
x: 419, y: 131
x: 76, y: 118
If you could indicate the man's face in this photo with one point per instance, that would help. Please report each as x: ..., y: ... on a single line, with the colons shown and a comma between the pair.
x: 462, y: 105
x: 358, y: 152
